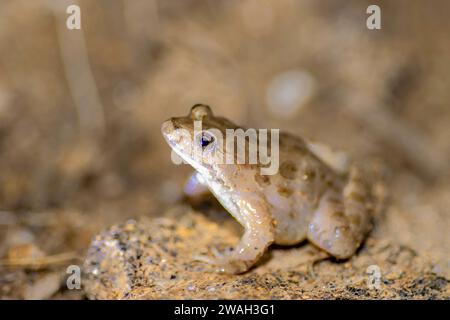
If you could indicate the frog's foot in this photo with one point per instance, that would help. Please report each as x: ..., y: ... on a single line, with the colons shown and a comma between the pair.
x: 259, y: 234
x: 216, y: 255
x: 227, y: 261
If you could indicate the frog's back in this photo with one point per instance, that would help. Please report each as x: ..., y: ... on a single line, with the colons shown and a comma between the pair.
x: 293, y: 193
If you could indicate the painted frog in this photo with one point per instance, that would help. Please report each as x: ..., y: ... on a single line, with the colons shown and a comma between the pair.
x: 307, y: 198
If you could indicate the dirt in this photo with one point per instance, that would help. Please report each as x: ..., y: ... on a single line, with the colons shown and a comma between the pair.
x: 156, y: 260
x: 81, y: 151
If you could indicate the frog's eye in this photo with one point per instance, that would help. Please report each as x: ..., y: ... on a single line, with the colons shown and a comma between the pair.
x: 205, y: 139
x: 200, y: 111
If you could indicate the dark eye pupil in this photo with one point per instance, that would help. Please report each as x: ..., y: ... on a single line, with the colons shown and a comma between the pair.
x: 205, y: 140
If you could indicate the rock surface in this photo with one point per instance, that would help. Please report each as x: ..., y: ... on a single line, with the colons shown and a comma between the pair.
x: 153, y: 259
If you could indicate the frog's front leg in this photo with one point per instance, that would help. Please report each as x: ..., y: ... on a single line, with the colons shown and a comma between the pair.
x: 341, y: 222
x: 195, y: 186
x: 253, y: 214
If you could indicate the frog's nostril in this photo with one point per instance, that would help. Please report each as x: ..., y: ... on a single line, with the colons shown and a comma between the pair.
x: 176, y: 125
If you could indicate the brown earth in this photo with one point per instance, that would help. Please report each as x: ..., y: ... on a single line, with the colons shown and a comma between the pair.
x: 155, y: 260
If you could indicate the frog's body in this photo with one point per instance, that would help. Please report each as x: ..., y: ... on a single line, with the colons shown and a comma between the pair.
x: 306, y: 198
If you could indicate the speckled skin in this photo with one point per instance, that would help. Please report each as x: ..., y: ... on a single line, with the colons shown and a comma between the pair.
x: 305, y: 199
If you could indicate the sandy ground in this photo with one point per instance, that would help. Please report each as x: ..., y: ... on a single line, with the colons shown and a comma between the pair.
x: 155, y: 260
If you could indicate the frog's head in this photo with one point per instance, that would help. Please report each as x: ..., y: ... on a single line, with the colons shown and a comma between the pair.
x: 198, y: 138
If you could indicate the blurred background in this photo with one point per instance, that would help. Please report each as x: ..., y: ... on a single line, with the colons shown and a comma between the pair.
x: 80, y: 110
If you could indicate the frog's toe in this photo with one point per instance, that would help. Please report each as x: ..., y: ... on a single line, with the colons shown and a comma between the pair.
x: 210, y: 262
x: 223, y: 262
x: 215, y: 257
x: 203, y: 258
x: 231, y: 266
x: 217, y: 254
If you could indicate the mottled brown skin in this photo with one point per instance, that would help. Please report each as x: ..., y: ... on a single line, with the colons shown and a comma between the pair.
x: 305, y: 199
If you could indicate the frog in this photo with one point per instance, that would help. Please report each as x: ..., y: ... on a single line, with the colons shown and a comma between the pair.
x: 306, y: 199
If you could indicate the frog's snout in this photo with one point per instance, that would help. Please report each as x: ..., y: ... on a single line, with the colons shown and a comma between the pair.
x: 167, y: 127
